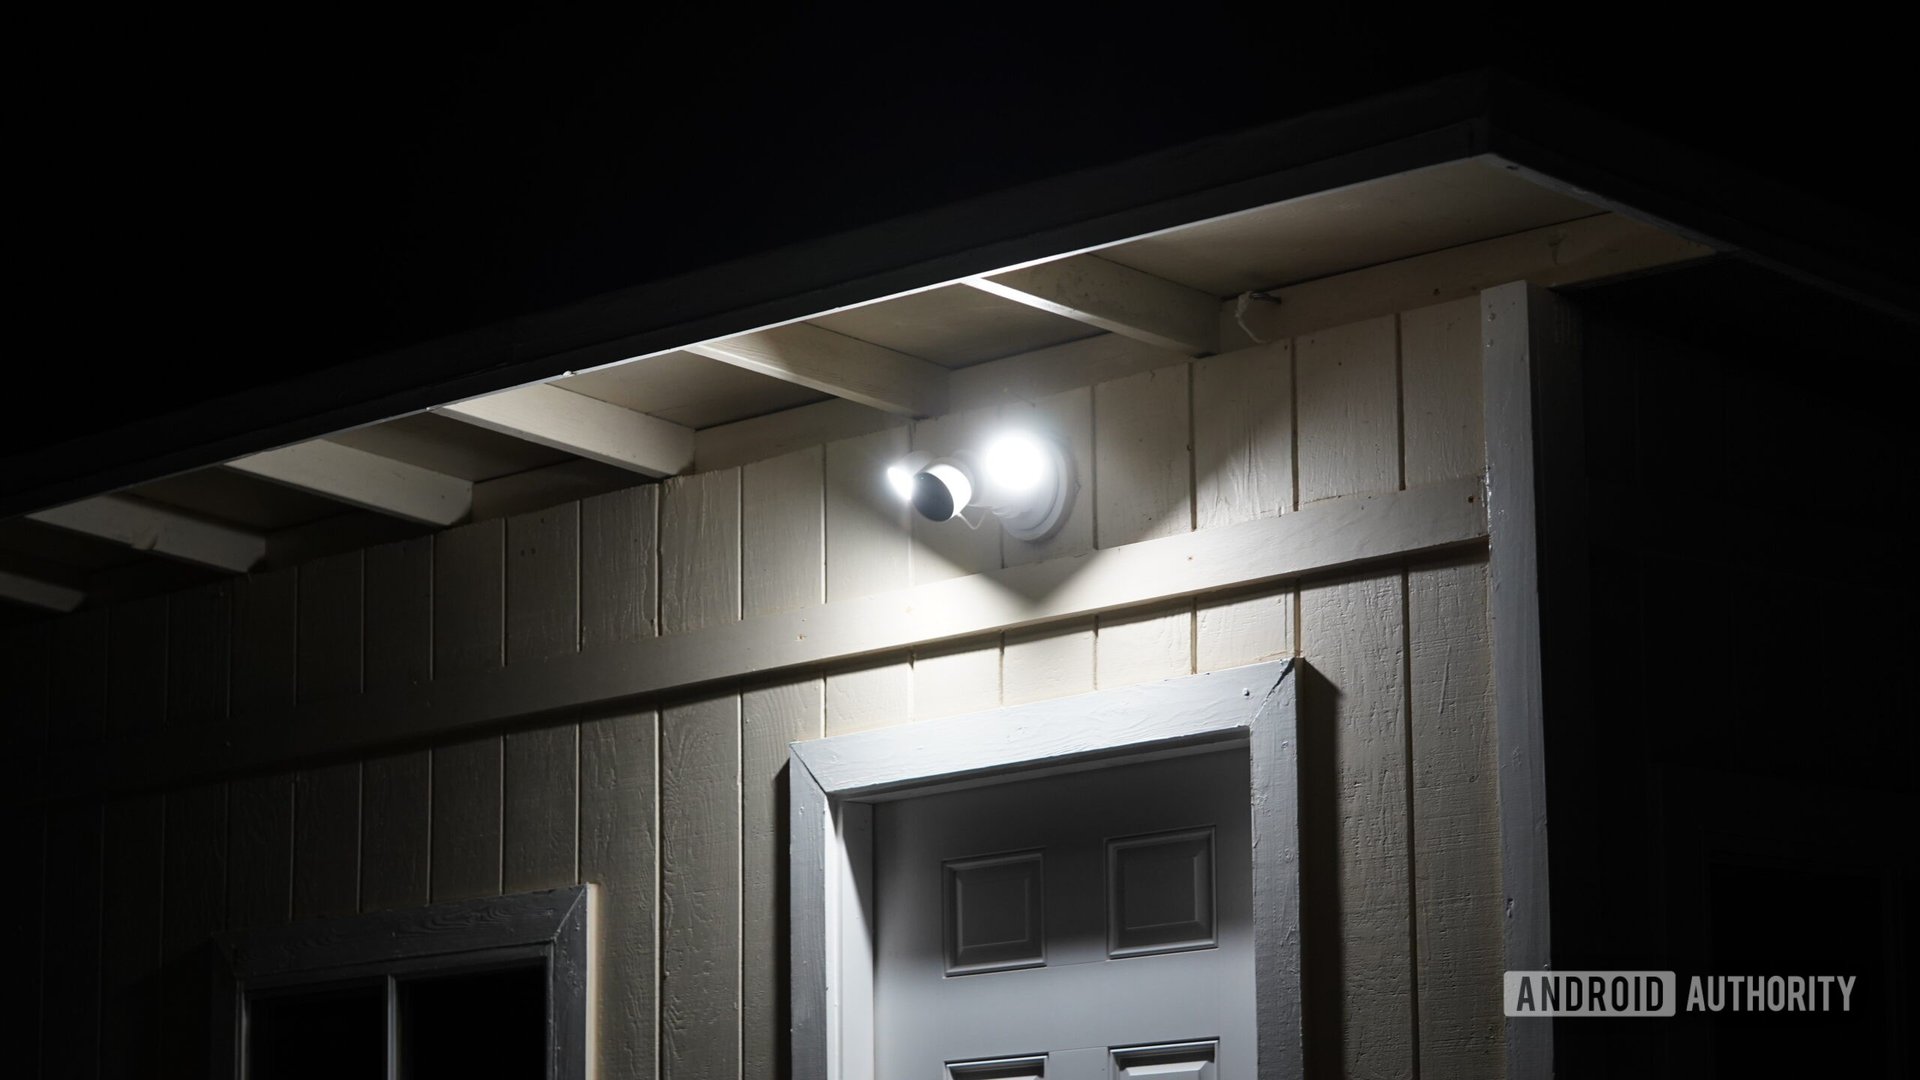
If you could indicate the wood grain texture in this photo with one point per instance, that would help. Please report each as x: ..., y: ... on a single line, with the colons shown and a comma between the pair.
x: 770, y: 719
x: 1456, y: 816
x: 396, y: 831
x: 953, y: 680
x: 1322, y: 537
x: 331, y: 617
x: 265, y: 625
x: 399, y: 619
x: 869, y: 552
x: 1142, y: 464
x: 1243, y: 628
x: 700, y: 889
x: 1440, y: 391
x: 619, y: 856
x: 193, y: 909
x: 137, y: 668
x: 260, y: 851
x: 69, y: 961
x: 699, y: 551
x: 1353, y: 629
x: 783, y: 533
x: 131, y: 897
x: 469, y: 599
x: 543, y: 583
x: 861, y: 699
x: 539, y: 844
x: 1050, y: 662
x: 1143, y: 646
x: 947, y: 549
x: 326, y: 842
x: 1243, y: 435
x: 618, y: 577
x: 867, y: 532
x: 1347, y: 408
x: 80, y: 680
x: 199, y: 622
x: 466, y: 820
x: 1067, y: 418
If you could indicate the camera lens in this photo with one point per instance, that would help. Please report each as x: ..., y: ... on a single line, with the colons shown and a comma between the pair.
x: 932, y: 497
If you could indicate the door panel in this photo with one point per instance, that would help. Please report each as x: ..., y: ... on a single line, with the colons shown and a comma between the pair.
x: 1065, y: 918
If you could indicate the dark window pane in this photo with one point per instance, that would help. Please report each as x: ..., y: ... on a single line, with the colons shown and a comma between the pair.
x: 491, y: 1023
x: 338, y: 1033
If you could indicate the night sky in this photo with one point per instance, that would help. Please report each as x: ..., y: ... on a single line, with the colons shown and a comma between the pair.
x: 214, y: 205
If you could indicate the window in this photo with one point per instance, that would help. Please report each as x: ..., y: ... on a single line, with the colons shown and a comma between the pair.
x: 480, y: 987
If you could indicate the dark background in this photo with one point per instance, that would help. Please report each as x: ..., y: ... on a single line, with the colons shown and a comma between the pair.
x: 212, y: 202
x: 207, y: 203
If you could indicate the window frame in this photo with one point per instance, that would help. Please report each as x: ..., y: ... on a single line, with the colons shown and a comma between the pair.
x: 549, y: 927
x: 835, y: 782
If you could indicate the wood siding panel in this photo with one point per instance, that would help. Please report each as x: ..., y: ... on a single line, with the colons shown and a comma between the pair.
x: 543, y: 584
x: 1142, y: 465
x: 399, y: 621
x: 869, y: 551
x: 619, y: 581
x: 783, y: 533
x: 80, y: 680
x: 1353, y: 631
x: 469, y: 599
x: 769, y: 720
x: 701, y: 895
x: 465, y: 860
x: 131, y: 898
x: 1440, y: 385
x: 1243, y: 628
x: 1144, y: 646
x: 260, y: 851
x: 950, y: 681
x: 700, y: 551
x: 199, y: 622
x: 193, y: 909
x: 137, y: 668
x: 539, y: 845
x: 1346, y: 384
x: 326, y: 845
x: 265, y: 628
x: 619, y: 854
x: 331, y: 609
x: 1456, y: 815
x: 1050, y: 662
x: 396, y: 831
x: 70, y: 944
x: 1243, y: 435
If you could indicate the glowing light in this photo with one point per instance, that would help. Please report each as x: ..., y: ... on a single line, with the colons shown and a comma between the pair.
x: 900, y: 474
x: 1016, y: 464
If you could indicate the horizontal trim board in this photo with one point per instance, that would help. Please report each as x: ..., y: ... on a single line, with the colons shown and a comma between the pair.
x: 1320, y: 537
x: 150, y: 526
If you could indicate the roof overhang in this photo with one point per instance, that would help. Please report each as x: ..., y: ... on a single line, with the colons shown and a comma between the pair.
x: 1485, y: 116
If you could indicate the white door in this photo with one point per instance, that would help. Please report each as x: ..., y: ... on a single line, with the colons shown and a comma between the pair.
x: 1089, y: 926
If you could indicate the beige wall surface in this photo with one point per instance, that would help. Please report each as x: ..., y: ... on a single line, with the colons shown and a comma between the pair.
x: 674, y: 807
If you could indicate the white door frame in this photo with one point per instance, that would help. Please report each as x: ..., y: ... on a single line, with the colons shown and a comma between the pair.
x: 835, y: 782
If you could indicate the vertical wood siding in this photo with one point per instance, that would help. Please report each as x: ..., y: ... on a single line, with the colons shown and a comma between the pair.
x: 678, y: 818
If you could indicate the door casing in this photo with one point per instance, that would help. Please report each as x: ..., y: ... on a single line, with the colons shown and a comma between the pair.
x: 835, y: 782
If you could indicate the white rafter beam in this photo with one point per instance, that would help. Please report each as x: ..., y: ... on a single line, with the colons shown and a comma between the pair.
x: 39, y: 593
x: 1115, y: 298
x: 591, y: 428
x: 369, y: 481
x: 839, y: 365
x: 147, y: 526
